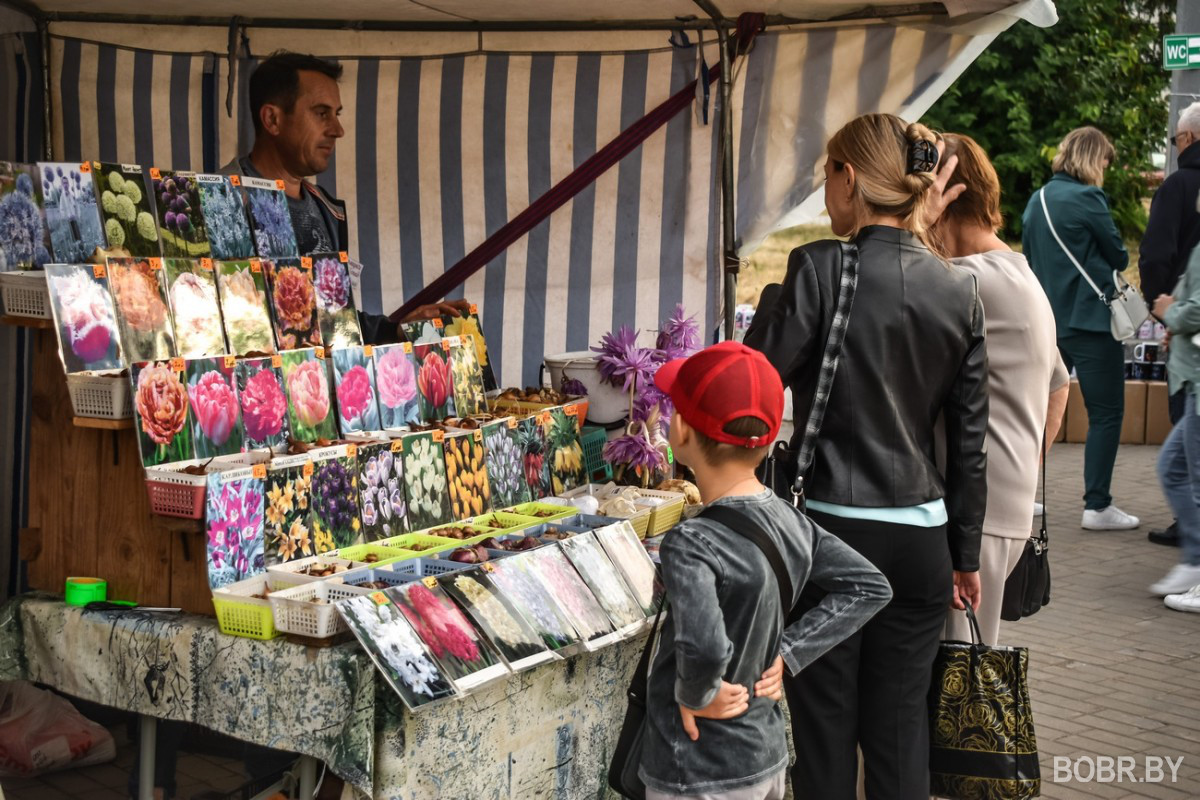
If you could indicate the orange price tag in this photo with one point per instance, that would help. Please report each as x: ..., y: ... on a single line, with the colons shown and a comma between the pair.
x: 236, y: 180
x: 230, y: 362
x: 96, y: 165
x: 155, y: 173
x: 307, y: 470
x: 544, y: 417
x: 380, y: 598
x: 479, y: 437
x: 437, y: 323
x: 408, y: 348
x: 277, y: 361
x: 99, y: 270
x: 431, y: 582
x: 474, y: 308
x: 488, y: 566
x: 279, y: 185
x: 343, y: 256
x: 177, y: 365
x: 306, y: 262
x: 368, y: 350
x: 445, y: 345
x: 397, y: 445
x: 571, y: 410
x: 156, y: 263
x: 319, y: 352
x: 85, y: 167
x: 352, y: 451
x: 206, y: 264
x: 259, y: 471
x: 512, y: 423
x: 439, y: 436
x: 256, y: 265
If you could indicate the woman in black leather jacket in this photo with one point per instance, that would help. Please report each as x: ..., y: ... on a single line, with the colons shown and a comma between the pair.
x: 913, y: 352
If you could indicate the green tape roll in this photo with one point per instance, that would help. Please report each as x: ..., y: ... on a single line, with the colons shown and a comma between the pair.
x: 81, y: 591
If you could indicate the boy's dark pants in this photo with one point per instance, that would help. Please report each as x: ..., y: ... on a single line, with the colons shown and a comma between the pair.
x: 871, y: 690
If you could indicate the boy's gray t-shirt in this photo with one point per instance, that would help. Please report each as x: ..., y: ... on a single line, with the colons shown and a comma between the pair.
x: 725, y: 622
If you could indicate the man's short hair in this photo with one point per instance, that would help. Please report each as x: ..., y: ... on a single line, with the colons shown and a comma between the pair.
x: 715, y: 452
x: 1189, y: 119
x: 276, y: 81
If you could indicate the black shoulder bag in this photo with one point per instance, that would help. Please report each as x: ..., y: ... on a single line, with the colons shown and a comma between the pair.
x: 627, y: 755
x: 1027, y: 587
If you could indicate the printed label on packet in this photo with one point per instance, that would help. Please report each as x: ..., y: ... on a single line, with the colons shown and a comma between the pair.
x: 230, y: 362
x: 319, y: 352
x: 236, y: 180
x: 259, y: 471
x: 446, y: 345
x: 177, y: 364
x: 279, y: 185
x: 85, y: 167
x: 474, y: 308
x: 307, y: 469
x: 343, y: 256
x: 277, y: 361
x: 306, y: 262
x: 430, y: 582
x: 351, y: 451
x: 437, y: 323
x: 512, y: 423
x: 439, y: 436
x: 408, y: 348
x: 488, y: 566
x: 478, y: 436
x: 380, y: 598
x: 571, y: 410
x: 397, y: 445
x: 155, y: 173
x: 368, y: 350
x: 156, y: 263
x: 99, y: 270
x: 206, y: 264
x: 544, y: 418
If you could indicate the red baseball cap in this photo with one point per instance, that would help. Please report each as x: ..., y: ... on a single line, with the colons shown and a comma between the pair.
x: 720, y: 384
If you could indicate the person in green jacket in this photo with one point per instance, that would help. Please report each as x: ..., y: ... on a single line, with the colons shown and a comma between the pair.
x: 1078, y: 208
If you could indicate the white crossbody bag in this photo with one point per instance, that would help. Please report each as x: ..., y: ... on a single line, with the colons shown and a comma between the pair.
x: 1127, y: 308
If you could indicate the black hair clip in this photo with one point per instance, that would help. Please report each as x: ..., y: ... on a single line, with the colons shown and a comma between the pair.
x: 922, y: 156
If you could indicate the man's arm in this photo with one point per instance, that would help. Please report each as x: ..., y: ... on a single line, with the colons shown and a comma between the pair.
x: 1158, y: 249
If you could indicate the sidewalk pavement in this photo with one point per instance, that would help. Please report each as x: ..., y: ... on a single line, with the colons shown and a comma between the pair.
x: 1113, y: 672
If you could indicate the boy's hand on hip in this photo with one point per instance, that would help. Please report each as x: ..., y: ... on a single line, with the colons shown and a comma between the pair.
x: 771, y: 683
x: 732, y: 700
x: 966, y: 590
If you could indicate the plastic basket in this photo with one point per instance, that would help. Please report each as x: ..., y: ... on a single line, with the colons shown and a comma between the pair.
x: 523, y: 408
x: 352, y: 581
x: 295, y: 612
x: 665, y: 516
x: 289, y: 573
x: 428, y: 544
x: 180, y: 494
x: 383, y: 553
x: 593, y: 439
x: 103, y: 396
x: 239, y: 614
x: 416, y: 568
x: 25, y: 294
x: 640, y: 520
x: 554, y: 512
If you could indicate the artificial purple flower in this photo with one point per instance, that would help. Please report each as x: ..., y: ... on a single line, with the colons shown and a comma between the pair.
x: 574, y: 386
x: 679, y: 336
x: 636, y: 452
x: 622, y: 362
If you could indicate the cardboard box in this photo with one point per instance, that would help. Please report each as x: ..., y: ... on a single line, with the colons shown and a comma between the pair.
x: 1133, y: 427
x: 1076, y: 423
x: 1158, y: 419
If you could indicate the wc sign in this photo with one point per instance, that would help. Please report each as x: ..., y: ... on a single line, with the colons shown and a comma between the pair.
x: 1181, y: 51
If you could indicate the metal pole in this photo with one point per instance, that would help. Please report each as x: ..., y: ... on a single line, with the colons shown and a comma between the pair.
x: 47, y: 109
x: 148, y: 731
x: 729, y: 260
x: 308, y: 777
x: 1185, y: 83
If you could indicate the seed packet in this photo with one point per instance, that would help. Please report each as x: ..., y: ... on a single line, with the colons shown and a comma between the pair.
x: 396, y: 380
x: 381, y: 499
x: 335, y: 301
x: 245, y: 315
x: 354, y: 386
x: 470, y: 325
x: 306, y: 385
x: 234, y: 523
x: 505, y: 463
x: 492, y: 613
x: 270, y: 219
x: 336, y: 521
x: 24, y: 237
x: 127, y: 211
x: 435, y: 390
x: 388, y: 638
x: 84, y: 317
x: 181, y: 226
x: 263, y: 402
x: 630, y: 558
x: 160, y: 408
x: 466, y: 475
x: 288, y: 510
x: 426, y: 331
x: 466, y: 377
x: 574, y: 597
x: 139, y: 293
x: 192, y: 291
x: 216, y: 416
x: 293, y: 303
x: 225, y: 217
x: 593, y: 565
x: 516, y: 578
x: 425, y: 480
x: 532, y: 440
x: 564, y: 449
x: 72, y: 215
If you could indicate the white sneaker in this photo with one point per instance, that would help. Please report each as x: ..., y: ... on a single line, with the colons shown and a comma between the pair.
x: 1038, y: 509
x: 1109, y: 518
x: 1181, y: 578
x: 1188, y: 601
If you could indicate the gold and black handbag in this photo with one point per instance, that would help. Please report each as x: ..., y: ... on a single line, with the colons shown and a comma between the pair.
x: 981, y: 740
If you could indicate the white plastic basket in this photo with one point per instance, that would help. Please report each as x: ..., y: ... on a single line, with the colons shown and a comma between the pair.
x: 290, y: 573
x: 95, y: 394
x: 296, y: 612
x: 25, y: 294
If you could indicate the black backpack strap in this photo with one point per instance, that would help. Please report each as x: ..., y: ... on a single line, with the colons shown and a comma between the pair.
x: 742, y: 524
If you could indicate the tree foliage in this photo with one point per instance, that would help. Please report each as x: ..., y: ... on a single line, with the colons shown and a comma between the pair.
x: 1100, y: 65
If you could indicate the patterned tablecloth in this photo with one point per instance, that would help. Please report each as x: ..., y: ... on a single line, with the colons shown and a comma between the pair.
x: 548, y: 732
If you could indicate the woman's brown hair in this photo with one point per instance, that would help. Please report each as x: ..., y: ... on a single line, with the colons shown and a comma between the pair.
x: 1084, y: 154
x: 980, y: 203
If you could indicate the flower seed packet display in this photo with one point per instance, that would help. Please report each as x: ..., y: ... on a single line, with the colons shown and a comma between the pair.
x: 288, y: 510
x: 466, y: 475
x: 160, y: 408
x: 225, y: 217
x: 396, y: 381
x: 514, y: 639
x: 139, y: 292
x: 505, y: 463
x: 593, y: 565
x: 263, y: 402
x: 454, y: 325
x: 629, y: 557
x: 293, y: 303
x: 234, y: 522
x: 385, y: 633
x: 564, y: 449
x: 72, y: 216
x: 466, y: 657
x: 336, y: 522
x: 181, y: 226
x: 435, y: 392
x: 192, y: 291
x: 306, y: 385
x: 215, y: 413
x: 574, y: 597
x: 245, y: 315
x: 381, y: 499
x: 84, y: 317
x: 335, y: 302
x: 428, y: 331
x: 270, y: 218
x: 516, y: 578
x: 354, y: 386
x: 532, y: 440
x: 425, y: 480
x: 466, y: 377
x: 24, y: 238
x: 129, y: 224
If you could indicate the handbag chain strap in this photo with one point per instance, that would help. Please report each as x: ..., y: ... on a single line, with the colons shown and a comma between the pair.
x: 1070, y: 255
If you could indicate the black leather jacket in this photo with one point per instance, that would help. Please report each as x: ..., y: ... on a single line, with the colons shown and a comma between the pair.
x: 914, y: 350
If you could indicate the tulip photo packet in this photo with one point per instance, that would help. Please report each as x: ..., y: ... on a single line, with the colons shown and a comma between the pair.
x: 396, y: 382
x: 270, y: 220
x: 628, y: 555
x: 381, y: 501
x: 195, y: 309
x: 128, y: 214
x: 215, y: 413
x: 516, y: 579
x: 514, y: 639
x: 245, y: 315
x: 425, y: 488
x: 575, y: 599
x: 564, y: 448
x: 466, y: 376
x: 427, y: 331
x: 336, y: 522
x: 354, y: 387
x: 310, y: 405
x: 389, y: 639
x: 139, y: 291
x: 454, y: 325
x: 593, y: 565
x: 224, y: 213
x: 532, y: 440
x: 293, y: 303
x: 263, y: 402
x: 335, y: 300
x: 24, y: 237
x: 435, y: 389
x: 160, y: 409
x: 505, y: 463
x: 466, y: 475
x: 181, y: 226
x: 233, y: 520
x: 72, y: 215
x: 287, y: 509
x: 84, y: 317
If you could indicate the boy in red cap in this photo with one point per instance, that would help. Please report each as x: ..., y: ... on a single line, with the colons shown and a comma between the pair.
x: 707, y: 736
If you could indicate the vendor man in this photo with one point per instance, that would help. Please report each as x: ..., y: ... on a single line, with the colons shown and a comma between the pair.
x: 295, y: 103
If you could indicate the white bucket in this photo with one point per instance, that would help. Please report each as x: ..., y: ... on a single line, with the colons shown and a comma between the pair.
x: 606, y: 403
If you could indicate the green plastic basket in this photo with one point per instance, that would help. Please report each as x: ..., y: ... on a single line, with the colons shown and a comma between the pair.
x: 593, y: 439
x: 239, y: 614
x: 405, y: 541
x: 385, y: 553
x: 512, y: 523
x: 557, y: 512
